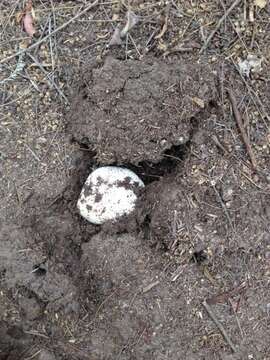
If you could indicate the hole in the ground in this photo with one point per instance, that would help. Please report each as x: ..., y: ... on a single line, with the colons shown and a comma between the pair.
x: 199, y: 256
x: 213, y: 104
x: 39, y: 270
x: 2, y: 274
x: 150, y: 172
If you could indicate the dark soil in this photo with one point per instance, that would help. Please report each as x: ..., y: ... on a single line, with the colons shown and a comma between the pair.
x: 129, y: 112
x: 134, y: 290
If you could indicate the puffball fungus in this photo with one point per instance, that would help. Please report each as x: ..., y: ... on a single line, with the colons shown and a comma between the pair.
x: 109, y: 193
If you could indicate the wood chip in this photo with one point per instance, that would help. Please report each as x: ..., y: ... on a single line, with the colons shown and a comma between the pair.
x: 150, y: 286
x: 198, y: 102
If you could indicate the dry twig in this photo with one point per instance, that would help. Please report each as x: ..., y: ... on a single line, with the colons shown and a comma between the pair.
x: 165, y: 24
x: 219, y: 325
x: 210, y: 37
x: 239, y: 121
x: 224, y: 208
x: 49, y: 78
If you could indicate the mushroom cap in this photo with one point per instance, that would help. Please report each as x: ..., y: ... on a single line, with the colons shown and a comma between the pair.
x: 109, y: 193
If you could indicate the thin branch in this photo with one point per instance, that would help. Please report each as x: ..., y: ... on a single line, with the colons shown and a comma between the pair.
x: 219, y: 325
x: 239, y: 121
x: 49, y: 78
x: 210, y: 37
x: 224, y: 209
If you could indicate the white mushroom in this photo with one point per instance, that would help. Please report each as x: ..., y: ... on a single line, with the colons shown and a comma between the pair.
x: 109, y: 193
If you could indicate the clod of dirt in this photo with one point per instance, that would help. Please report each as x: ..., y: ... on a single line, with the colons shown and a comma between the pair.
x: 109, y: 193
x: 134, y: 111
x: 30, y: 307
x: 164, y: 211
x: 13, y: 342
x: 20, y: 251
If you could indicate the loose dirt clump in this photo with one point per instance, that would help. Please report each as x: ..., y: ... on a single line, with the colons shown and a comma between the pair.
x: 13, y: 342
x: 132, y: 111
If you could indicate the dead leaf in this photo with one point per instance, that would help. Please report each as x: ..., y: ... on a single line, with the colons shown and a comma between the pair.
x: 260, y: 3
x: 28, y: 24
x: 28, y: 6
x: 162, y: 46
x: 19, y: 17
x: 165, y: 24
x: 28, y: 19
x: 115, y: 17
x: 208, y: 275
